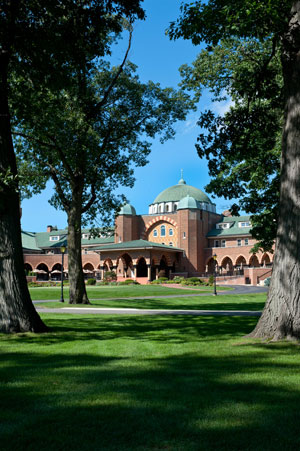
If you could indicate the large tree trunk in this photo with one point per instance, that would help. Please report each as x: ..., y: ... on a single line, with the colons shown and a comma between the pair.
x: 78, y: 293
x: 17, y: 313
x: 281, y: 316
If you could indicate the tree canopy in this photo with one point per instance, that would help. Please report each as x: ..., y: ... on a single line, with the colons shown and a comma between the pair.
x: 41, y: 41
x: 273, y: 29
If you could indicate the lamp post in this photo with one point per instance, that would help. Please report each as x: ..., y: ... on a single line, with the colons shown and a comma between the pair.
x: 215, y: 274
x: 62, y: 250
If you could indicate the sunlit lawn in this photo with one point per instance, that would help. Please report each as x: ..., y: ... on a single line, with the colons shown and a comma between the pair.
x: 225, y: 302
x: 148, y: 383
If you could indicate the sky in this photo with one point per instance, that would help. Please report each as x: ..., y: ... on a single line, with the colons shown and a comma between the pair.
x: 158, y: 59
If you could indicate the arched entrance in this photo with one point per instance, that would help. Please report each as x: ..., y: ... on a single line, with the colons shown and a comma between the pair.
x: 125, y: 267
x: 227, y: 266
x: 42, y: 272
x: 88, y: 271
x: 265, y: 261
x: 163, y: 269
x: 141, y: 268
x: 211, y: 266
x: 56, y: 272
x: 28, y: 268
x: 253, y: 262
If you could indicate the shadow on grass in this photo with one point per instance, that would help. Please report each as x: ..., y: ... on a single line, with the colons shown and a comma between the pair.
x: 143, y: 398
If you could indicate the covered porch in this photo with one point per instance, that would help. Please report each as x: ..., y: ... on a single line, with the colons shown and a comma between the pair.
x: 139, y: 260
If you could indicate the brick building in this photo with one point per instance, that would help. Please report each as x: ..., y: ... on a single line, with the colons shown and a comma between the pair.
x: 179, y: 235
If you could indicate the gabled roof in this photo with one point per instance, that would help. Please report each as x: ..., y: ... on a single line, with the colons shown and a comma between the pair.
x: 137, y: 244
x: 41, y: 240
x: 233, y: 229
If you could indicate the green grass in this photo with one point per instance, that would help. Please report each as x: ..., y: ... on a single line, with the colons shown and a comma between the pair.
x: 117, y: 291
x: 148, y: 383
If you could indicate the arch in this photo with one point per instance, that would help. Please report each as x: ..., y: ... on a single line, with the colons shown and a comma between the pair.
x: 88, y: 270
x: 42, y: 272
x: 108, y: 264
x: 253, y: 261
x: 211, y: 265
x: 151, y: 224
x: 141, y: 268
x: 227, y: 264
x: 56, y: 267
x: 265, y: 260
x: 240, y: 261
x: 163, y: 269
x: 28, y: 268
x: 125, y: 266
x: 88, y: 266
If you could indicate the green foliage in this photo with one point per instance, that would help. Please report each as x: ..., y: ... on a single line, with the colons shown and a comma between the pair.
x: 109, y: 276
x: 211, y: 280
x: 241, y: 63
x: 91, y: 282
x: 129, y: 282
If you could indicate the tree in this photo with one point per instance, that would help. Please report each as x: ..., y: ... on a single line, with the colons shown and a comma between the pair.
x: 242, y: 145
x: 277, y: 22
x: 89, y: 138
x: 37, y: 40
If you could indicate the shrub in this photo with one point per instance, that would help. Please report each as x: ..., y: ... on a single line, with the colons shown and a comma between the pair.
x: 91, y: 282
x: 162, y: 279
x: 110, y: 276
x: 129, y: 282
x: 178, y: 279
x: 211, y: 280
x: 267, y: 282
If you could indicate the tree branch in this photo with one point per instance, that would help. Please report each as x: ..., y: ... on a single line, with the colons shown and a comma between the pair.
x: 115, y: 79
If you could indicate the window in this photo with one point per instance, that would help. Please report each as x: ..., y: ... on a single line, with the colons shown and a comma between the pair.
x: 175, y: 207
x: 85, y: 236
x: 167, y: 207
x: 223, y: 243
x: 163, y: 243
x: 239, y: 242
x: 223, y: 225
x: 216, y: 243
x: 155, y: 233
x: 246, y: 242
x: 160, y: 209
x: 85, y: 251
x: 245, y: 224
x: 54, y: 238
x: 170, y: 232
x: 170, y: 244
x: 162, y: 230
x: 184, y: 236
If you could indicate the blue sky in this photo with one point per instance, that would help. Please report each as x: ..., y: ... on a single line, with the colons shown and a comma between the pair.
x: 158, y: 59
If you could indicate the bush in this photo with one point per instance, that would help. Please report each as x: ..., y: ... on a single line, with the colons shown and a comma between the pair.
x: 211, y: 280
x: 109, y: 276
x: 129, y: 282
x: 177, y: 279
x: 267, y: 282
x: 91, y: 282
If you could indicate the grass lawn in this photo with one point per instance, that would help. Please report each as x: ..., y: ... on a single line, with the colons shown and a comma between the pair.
x: 108, y: 292
x: 148, y: 383
x: 117, y: 297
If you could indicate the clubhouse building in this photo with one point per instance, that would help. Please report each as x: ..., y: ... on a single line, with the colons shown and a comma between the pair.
x: 182, y: 234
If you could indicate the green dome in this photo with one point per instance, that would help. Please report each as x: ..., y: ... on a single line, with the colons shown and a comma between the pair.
x: 177, y: 192
x: 127, y: 209
x: 187, y: 203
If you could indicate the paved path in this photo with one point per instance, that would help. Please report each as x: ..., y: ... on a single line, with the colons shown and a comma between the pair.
x: 237, y: 289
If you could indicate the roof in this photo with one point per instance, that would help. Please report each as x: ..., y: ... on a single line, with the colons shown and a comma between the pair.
x: 187, y: 202
x: 41, y: 240
x: 233, y: 229
x: 127, y: 209
x: 137, y: 244
x: 177, y: 192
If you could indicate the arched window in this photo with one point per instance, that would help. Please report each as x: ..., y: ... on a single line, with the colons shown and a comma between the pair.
x: 163, y: 230
x: 167, y: 207
x: 160, y: 209
x: 170, y: 232
x: 175, y: 207
x: 155, y: 233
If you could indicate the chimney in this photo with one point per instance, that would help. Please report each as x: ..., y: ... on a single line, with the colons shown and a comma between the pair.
x: 49, y: 228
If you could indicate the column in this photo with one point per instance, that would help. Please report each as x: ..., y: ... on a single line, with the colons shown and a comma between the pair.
x: 149, y: 273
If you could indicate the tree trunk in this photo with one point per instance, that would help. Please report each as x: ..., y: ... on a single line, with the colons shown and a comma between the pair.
x: 78, y: 293
x: 281, y: 316
x: 17, y: 313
